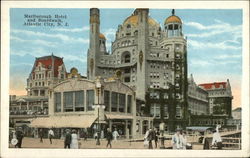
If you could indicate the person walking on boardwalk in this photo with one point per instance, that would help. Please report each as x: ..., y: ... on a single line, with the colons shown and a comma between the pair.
x: 156, y: 136
x: 217, y: 141
x: 41, y: 135
x: 184, y: 140
x: 115, y: 135
x: 19, y: 137
x: 74, y: 140
x: 150, y: 138
x: 51, y: 135
x: 67, y: 140
x: 177, y: 140
x: 109, y: 137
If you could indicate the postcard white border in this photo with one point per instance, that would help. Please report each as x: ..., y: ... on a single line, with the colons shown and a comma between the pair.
x: 5, y: 29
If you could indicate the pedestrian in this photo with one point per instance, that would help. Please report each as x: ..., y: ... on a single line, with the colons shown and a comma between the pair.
x: 115, y: 135
x: 102, y: 134
x: 109, y: 137
x: 19, y: 137
x: 41, y: 135
x: 217, y: 141
x: 205, y: 143
x: 74, y: 140
x: 67, y: 140
x: 85, y: 135
x: 184, y: 140
x: 95, y: 135
x: 177, y: 140
x: 146, y: 139
x: 150, y: 138
x: 51, y: 135
x: 156, y: 136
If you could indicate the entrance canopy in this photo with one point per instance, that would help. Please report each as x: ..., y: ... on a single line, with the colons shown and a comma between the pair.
x: 71, y: 121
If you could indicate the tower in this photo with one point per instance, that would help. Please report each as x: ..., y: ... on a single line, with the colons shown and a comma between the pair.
x: 94, y: 44
x: 178, y: 48
x: 142, y: 52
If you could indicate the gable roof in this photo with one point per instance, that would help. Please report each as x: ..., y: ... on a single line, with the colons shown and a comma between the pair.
x: 48, y: 62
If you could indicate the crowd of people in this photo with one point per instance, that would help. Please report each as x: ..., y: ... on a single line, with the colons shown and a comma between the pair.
x: 72, y: 139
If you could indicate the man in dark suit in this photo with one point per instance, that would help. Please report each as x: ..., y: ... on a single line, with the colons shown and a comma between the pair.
x: 109, y: 137
x: 67, y: 140
x: 19, y: 137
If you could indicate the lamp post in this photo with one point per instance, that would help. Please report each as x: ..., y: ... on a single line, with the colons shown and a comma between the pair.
x: 98, y: 106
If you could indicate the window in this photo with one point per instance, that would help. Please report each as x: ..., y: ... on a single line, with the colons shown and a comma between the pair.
x: 127, y: 58
x: 127, y: 79
x: 106, y: 100
x: 127, y: 70
x: 90, y: 99
x: 165, y: 111
x: 57, y: 102
x: 68, y: 101
x: 167, y: 55
x: 129, y: 103
x: 155, y: 110
x: 79, y: 101
x: 114, y: 101
x: 178, y: 112
x: 121, y: 102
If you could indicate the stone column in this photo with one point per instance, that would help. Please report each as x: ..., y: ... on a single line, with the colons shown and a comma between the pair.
x: 126, y: 105
x: 126, y: 132
x: 133, y: 128
x: 61, y: 101
x: 140, y: 127
x: 149, y: 124
x: 27, y: 105
x: 42, y: 104
x: 110, y: 99
x: 85, y: 100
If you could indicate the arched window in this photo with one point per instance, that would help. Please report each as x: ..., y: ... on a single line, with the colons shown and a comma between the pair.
x: 128, y: 26
x: 125, y: 57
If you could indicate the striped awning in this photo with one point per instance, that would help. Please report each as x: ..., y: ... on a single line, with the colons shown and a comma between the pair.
x: 71, y: 121
x: 118, y: 116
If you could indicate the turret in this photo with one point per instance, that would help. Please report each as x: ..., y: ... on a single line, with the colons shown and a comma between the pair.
x: 173, y: 25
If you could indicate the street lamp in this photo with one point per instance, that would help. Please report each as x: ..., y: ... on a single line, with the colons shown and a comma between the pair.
x: 98, y: 106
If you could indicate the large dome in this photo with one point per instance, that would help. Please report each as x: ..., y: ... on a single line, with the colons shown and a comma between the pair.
x: 133, y: 20
x: 173, y: 19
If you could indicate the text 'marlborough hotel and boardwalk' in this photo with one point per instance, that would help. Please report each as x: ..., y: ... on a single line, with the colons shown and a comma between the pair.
x: 141, y: 83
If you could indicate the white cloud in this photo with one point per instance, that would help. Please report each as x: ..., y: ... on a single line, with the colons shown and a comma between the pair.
x: 215, y: 29
x: 219, y: 45
x: 37, y: 42
x: 227, y: 56
x: 62, y: 37
x: 85, y: 28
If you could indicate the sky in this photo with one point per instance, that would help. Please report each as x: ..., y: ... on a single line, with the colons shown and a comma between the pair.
x: 214, y: 38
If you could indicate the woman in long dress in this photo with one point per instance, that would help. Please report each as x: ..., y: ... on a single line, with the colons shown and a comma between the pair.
x: 74, y: 140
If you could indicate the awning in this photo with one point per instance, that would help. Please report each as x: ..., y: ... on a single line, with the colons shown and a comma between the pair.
x: 74, y: 121
x: 118, y: 116
x: 196, y: 128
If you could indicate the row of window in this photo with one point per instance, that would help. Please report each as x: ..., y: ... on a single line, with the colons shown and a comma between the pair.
x: 75, y: 101
x: 40, y: 76
x: 158, y: 66
x: 155, y: 111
